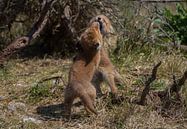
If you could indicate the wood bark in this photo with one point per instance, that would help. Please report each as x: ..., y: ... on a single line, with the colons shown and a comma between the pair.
x: 34, y: 32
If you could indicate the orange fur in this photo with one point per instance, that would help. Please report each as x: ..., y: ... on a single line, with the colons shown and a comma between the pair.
x: 82, y: 70
x: 106, y: 23
x: 106, y: 70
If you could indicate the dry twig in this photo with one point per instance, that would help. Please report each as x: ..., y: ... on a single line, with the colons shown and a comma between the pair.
x: 176, y: 87
x: 56, y: 78
x: 147, y: 84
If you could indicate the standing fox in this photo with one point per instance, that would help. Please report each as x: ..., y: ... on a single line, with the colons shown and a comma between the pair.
x: 83, y: 69
x: 106, y: 70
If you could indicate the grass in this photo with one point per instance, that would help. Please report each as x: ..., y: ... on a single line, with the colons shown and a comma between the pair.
x: 19, y: 82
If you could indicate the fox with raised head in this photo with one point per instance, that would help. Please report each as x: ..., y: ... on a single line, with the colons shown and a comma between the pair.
x: 83, y: 69
x: 106, y: 71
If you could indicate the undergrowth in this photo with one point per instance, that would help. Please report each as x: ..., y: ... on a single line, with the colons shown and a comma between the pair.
x: 22, y: 81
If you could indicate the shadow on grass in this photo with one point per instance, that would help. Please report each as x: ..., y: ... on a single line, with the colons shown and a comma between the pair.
x: 55, y: 112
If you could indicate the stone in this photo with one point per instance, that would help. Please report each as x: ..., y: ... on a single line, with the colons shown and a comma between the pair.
x: 14, y: 106
x: 31, y: 119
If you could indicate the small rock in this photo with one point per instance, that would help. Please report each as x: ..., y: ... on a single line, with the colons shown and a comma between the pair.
x: 2, y: 98
x: 21, y: 84
x: 1, y: 107
x: 13, y: 106
x: 31, y: 119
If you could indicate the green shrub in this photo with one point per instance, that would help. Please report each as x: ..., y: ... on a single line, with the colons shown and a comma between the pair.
x: 176, y: 23
x: 39, y: 91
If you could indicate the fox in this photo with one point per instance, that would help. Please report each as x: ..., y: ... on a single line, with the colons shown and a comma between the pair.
x: 106, y: 70
x: 106, y: 27
x: 83, y: 69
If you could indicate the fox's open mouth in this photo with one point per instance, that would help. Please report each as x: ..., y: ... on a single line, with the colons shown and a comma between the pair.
x: 97, y: 46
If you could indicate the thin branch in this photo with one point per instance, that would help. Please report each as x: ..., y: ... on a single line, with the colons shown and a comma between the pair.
x: 42, y: 20
x: 50, y: 78
x: 147, y: 84
x: 67, y: 18
x: 56, y: 78
x: 177, y: 85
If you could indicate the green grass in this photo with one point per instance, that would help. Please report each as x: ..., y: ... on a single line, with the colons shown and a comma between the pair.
x: 19, y: 83
x: 38, y: 92
x: 158, y: 85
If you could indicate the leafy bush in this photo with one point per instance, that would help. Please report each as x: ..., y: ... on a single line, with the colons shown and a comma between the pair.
x: 176, y: 23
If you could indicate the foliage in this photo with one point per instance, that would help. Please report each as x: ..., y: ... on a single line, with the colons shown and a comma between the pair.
x: 176, y: 23
x: 38, y: 91
x: 136, y: 28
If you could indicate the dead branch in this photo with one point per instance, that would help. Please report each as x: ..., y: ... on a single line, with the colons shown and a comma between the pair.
x: 147, y: 84
x: 169, y: 99
x: 56, y: 78
x: 177, y: 85
x: 50, y: 78
x: 68, y: 19
x: 33, y: 33
x: 42, y: 20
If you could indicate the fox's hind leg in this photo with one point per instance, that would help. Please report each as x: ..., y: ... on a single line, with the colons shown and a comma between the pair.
x: 88, y: 97
x: 92, y: 94
x: 110, y: 80
x: 68, y: 101
x: 96, y: 81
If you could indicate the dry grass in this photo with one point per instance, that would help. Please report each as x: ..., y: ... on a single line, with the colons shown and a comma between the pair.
x: 25, y: 103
